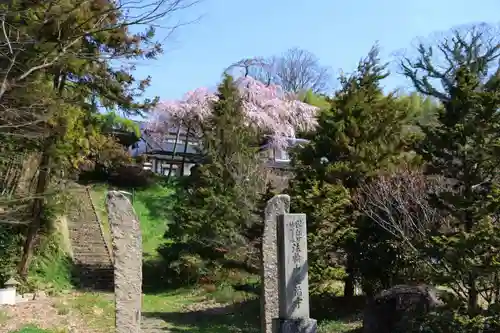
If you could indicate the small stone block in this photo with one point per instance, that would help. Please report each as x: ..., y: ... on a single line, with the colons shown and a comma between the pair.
x: 306, y: 325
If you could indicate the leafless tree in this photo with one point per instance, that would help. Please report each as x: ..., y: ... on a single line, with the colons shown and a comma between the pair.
x: 295, y: 70
x: 399, y: 204
x: 299, y: 69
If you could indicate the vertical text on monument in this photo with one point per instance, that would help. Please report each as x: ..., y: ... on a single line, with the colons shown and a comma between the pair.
x: 293, y: 277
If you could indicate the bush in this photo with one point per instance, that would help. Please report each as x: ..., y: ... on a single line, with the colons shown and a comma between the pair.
x: 454, y: 321
x: 11, y: 240
x: 51, y: 267
x: 131, y: 176
x: 185, y: 266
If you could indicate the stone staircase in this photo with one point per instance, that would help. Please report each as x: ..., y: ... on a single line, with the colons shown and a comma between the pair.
x: 91, y: 255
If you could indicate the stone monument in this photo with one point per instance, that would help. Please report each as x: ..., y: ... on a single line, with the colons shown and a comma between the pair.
x: 293, y: 288
x: 278, y: 205
x: 127, y: 251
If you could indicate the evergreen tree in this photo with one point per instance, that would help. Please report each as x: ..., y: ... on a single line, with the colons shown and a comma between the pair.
x: 217, y: 203
x: 360, y: 134
x: 68, y: 46
x: 463, y: 146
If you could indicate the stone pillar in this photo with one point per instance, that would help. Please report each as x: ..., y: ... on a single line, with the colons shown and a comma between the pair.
x: 279, y: 204
x: 127, y: 250
x: 293, y: 289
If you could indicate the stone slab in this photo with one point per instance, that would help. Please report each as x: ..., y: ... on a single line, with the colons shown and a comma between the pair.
x: 293, y: 282
x: 279, y: 204
x: 127, y: 250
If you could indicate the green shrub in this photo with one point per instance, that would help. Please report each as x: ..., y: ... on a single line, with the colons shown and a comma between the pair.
x: 453, y: 321
x: 51, y: 267
x: 10, y: 250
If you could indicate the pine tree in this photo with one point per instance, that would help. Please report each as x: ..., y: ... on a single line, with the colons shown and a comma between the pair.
x: 217, y: 203
x: 360, y: 134
x: 463, y: 146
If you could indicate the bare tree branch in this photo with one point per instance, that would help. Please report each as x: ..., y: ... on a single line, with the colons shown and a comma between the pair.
x: 432, y: 69
x: 16, y: 42
x: 295, y: 70
x: 399, y: 204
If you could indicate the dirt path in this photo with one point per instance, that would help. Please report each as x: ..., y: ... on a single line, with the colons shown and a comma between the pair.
x: 60, y: 314
x: 44, y: 314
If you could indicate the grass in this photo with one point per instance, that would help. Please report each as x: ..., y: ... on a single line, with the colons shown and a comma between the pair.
x: 334, y: 326
x: 32, y: 329
x: 97, y: 309
x: 151, y: 206
x: 211, y: 308
x: 4, y: 317
x: 98, y: 195
x: 51, y: 266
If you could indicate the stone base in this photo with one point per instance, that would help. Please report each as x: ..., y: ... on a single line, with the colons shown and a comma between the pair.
x: 295, y: 325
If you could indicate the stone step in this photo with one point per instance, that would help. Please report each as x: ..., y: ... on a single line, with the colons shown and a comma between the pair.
x: 85, y: 229
x: 104, y: 268
x: 93, y: 246
x: 99, y: 252
x: 81, y: 258
x: 91, y: 259
x: 88, y: 244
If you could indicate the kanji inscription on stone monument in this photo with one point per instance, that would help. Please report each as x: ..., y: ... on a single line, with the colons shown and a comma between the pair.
x: 293, y: 285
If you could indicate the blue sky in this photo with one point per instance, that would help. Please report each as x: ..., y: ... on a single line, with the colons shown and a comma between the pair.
x: 338, y: 32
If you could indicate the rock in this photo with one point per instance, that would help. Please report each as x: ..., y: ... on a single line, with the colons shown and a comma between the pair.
x: 390, y: 308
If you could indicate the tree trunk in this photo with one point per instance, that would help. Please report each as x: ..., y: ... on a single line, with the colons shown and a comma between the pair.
x: 349, y: 279
x: 185, y: 151
x: 174, y: 151
x: 472, y: 276
x: 349, y: 286
x: 37, y: 210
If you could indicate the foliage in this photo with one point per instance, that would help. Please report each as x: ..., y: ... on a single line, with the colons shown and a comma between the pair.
x: 51, y: 266
x: 10, y: 241
x: 463, y: 147
x: 112, y: 121
x: 320, y: 101
x: 360, y: 134
x: 217, y: 201
x: 450, y: 320
x: 268, y: 109
x: 396, y: 206
x: 53, y: 89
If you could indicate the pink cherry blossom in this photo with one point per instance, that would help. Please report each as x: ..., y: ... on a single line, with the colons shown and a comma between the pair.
x: 267, y: 107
